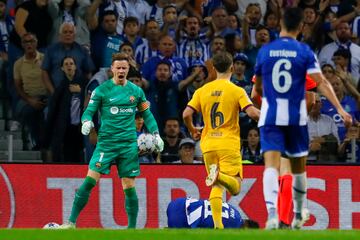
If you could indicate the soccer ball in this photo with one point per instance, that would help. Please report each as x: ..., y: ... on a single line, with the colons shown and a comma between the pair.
x: 51, y: 225
x: 146, y: 142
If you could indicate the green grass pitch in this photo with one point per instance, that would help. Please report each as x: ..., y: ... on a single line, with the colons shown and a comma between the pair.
x: 174, y: 234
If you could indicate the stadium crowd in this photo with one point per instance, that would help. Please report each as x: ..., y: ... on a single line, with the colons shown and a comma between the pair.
x: 54, y: 53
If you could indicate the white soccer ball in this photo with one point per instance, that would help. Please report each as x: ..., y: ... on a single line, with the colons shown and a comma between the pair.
x: 51, y: 225
x: 146, y: 142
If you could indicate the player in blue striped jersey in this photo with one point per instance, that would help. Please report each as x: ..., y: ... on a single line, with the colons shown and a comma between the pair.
x: 194, y: 213
x: 280, y: 78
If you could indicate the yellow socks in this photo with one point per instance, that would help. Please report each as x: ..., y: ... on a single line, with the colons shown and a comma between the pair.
x: 216, y: 206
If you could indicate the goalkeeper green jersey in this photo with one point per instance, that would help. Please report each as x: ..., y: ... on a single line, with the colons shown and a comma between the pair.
x: 117, y: 105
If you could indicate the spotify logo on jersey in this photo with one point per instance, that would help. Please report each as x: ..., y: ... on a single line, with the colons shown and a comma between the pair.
x: 114, y: 110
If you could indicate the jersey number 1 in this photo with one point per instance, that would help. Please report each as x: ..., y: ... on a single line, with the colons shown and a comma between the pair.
x: 216, y: 115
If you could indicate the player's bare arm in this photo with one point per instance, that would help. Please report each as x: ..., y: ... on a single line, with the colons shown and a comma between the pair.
x: 253, y: 112
x: 188, y: 120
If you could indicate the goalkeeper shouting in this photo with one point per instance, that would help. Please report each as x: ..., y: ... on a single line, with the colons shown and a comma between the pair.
x: 117, y: 99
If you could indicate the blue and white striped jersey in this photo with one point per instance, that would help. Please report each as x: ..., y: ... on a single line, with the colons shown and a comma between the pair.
x: 192, y: 50
x: 194, y: 213
x: 282, y: 65
x: 143, y: 52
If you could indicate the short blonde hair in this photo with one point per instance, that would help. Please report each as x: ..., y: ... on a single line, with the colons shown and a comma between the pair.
x: 119, y: 57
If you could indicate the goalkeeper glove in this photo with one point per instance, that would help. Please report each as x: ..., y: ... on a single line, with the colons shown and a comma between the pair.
x: 86, y: 127
x: 158, y: 142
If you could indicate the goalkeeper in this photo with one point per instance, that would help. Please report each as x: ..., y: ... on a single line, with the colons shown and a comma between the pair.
x: 117, y: 99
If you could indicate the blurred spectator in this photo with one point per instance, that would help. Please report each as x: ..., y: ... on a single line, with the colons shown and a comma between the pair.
x: 233, y: 43
x: 241, y: 62
x: 308, y: 3
x: 72, y: 11
x: 251, y: 147
x: 217, y: 45
x: 343, y: 34
x: 252, y: 20
x: 347, y: 102
x: 208, y: 7
x: 64, y: 117
x: 353, y: 134
x: 101, y: 76
x: 172, y: 138
x: 131, y: 32
x: 243, y: 5
x: 356, y: 23
x: 262, y: 37
x: 171, y: 21
x: 150, y: 47
x: 310, y: 16
x: 163, y: 94
x: 219, y: 23
x: 6, y: 27
x: 272, y: 22
x: 128, y: 49
x: 192, y: 46
x: 104, y: 39
x: 234, y: 23
x: 323, y: 135
x: 52, y: 73
x: 238, y: 78
x: 324, y: 28
x: 187, y: 87
x: 167, y: 49
x: 31, y: 16
x: 197, y: 76
x: 98, y: 8
x: 341, y: 59
x: 187, y: 152
x: 138, y: 9
x: 328, y: 71
x: 156, y: 11
x: 136, y: 78
x: 345, y: 7
x: 31, y: 90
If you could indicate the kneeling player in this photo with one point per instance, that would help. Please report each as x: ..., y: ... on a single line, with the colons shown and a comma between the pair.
x: 194, y: 213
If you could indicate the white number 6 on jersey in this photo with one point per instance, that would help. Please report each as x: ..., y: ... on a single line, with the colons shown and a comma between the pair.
x: 277, y: 74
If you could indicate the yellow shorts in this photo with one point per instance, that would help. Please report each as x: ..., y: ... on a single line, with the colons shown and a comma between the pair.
x: 229, y: 162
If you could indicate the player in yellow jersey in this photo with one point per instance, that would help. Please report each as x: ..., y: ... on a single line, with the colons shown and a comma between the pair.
x: 219, y: 102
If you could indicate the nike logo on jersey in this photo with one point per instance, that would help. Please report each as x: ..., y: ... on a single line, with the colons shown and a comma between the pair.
x: 112, y: 99
x: 135, y: 171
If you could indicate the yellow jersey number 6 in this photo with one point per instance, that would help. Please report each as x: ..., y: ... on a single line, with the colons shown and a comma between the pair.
x: 217, y: 117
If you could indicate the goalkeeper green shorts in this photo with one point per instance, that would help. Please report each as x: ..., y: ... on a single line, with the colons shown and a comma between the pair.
x: 125, y: 156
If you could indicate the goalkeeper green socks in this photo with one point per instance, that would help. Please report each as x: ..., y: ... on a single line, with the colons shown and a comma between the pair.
x: 131, y: 206
x: 81, y: 198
